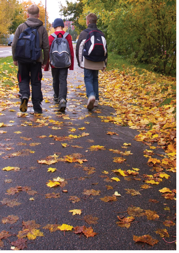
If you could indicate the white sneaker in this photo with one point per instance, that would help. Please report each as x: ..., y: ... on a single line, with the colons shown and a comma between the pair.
x: 90, y: 104
x: 96, y: 103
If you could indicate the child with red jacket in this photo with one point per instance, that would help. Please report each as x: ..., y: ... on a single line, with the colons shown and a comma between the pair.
x: 60, y: 74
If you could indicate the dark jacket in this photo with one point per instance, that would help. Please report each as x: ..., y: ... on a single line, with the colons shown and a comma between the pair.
x: 82, y: 61
x: 43, y: 36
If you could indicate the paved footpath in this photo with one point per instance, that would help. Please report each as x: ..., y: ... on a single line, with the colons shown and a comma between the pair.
x: 32, y: 213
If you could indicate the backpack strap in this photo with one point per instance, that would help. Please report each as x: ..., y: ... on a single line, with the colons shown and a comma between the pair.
x: 65, y: 35
x: 54, y: 35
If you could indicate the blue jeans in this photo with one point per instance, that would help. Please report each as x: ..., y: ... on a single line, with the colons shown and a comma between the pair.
x: 91, y: 82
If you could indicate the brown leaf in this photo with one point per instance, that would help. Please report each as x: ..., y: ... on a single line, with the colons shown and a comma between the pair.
x: 145, y: 239
x: 52, y: 195
x: 132, y: 192
x: 168, y: 223
x: 51, y: 227
x: 10, y: 202
x: 109, y: 187
x: 88, y: 232
x: 79, y: 229
x: 125, y: 221
x: 20, y: 244
x: 162, y: 232
x: 90, y: 219
x: 4, y: 235
x: 30, y: 224
x: 74, y: 199
x: 151, y: 215
x: 135, y: 211
x: 31, y: 192
x: 10, y: 219
x: 153, y: 200
x: 109, y: 198
x: 14, y: 190
x: 91, y: 192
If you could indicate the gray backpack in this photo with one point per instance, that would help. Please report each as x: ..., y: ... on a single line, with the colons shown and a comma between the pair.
x: 60, y: 56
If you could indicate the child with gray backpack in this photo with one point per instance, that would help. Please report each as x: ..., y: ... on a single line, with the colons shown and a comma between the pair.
x: 61, y: 58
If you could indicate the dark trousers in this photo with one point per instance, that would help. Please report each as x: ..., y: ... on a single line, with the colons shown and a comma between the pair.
x: 60, y: 82
x: 30, y: 72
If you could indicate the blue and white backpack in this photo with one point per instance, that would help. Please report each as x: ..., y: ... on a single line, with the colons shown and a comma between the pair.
x: 95, y: 46
x: 60, y: 56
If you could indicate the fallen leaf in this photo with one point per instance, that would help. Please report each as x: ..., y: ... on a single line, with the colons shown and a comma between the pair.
x: 51, y: 169
x: 145, y: 239
x: 125, y: 221
x: 52, y: 227
x: 135, y: 211
x: 119, y: 159
x: 151, y: 215
x: 162, y: 232
x: 34, y: 233
x: 10, y: 219
x: 115, y: 179
x: 91, y: 192
x: 90, y: 219
x: 20, y: 244
x: 109, y: 198
x: 65, y: 227
x: 74, y: 199
x: 76, y: 211
x: 88, y: 232
x: 8, y: 168
x: 132, y: 192
x: 52, y: 195
x: 10, y: 202
x: 168, y: 223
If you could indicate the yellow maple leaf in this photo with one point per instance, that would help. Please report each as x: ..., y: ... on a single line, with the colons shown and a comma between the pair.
x: 52, y: 184
x: 127, y: 144
x: 105, y: 172
x: 8, y: 168
x: 51, y: 169
x: 18, y: 132
x: 64, y: 145
x: 164, y: 190
x: 121, y: 172
x: 65, y: 227
x: 115, y: 179
x: 82, y: 128
x: 164, y: 175
x: 76, y: 211
x: 151, y: 181
x: 2, y: 124
x: 34, y: 233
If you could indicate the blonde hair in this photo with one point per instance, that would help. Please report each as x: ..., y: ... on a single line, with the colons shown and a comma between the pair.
x: 92, y: 18
x: 33, y: 10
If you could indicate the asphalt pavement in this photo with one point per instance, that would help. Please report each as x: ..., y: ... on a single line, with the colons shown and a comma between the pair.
x: 84, y: 174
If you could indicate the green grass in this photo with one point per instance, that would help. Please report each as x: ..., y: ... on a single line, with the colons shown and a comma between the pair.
x: 8, y: 71
x: 119, y: 62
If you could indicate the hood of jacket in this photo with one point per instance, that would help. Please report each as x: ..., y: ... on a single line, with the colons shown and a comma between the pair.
x: 33, y: 22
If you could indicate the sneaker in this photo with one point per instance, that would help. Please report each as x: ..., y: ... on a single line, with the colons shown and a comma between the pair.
x: 37, y: 108
x: 23, y: 106
x: 56, y: 100
x: 90, y: 104
x: 62, y: 105
x: 96, y: 103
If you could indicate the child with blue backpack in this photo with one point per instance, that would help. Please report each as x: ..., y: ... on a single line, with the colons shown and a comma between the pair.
x: 91, y: 54
x: 61, y: 59
x: 29, y: 40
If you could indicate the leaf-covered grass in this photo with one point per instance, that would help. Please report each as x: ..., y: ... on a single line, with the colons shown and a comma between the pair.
x: 8, y: 72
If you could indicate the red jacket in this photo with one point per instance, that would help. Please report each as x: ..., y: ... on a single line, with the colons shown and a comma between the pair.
x: 51, y: 38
